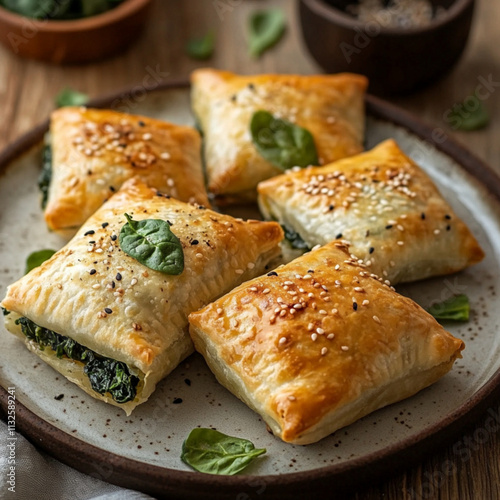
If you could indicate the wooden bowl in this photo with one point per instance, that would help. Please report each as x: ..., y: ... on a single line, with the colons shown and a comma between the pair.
x: 75, y: 41
x: 396, y: 60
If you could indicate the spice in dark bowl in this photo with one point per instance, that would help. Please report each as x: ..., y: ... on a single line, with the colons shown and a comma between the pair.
x: 400, y: 45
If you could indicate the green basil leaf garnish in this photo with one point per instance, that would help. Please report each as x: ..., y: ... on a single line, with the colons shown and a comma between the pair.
x: 5, y: 312
x: 70, y: 97
x: 152, y: 243
x: 210, y: 451
x: 456, y: 308
x: 201, y: 48
x: 36, y: 259
x: 281, y: 142
x: 470, y: 115
x: 266, y: 27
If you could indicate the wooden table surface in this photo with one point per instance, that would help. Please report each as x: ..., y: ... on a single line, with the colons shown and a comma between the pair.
x: 466, y: 469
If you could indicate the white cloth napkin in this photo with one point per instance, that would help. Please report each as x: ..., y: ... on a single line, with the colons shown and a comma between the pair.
x: 40, y: 477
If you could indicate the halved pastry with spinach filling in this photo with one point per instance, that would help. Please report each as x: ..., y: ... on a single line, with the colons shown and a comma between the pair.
x: 317, y: 344
x: 109, y: 310
x: 254, y: 127
x: 383, y: 204
x: 92, y: 152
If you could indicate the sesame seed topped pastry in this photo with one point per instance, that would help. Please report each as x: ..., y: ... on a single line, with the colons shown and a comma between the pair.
x: 383, y: 204
x: 329, y: 107
x: 93, y: 152
x: 109, y: 310
x: 319, y: 343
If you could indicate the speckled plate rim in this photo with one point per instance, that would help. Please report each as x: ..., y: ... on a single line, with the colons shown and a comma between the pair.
x: 367, y: 470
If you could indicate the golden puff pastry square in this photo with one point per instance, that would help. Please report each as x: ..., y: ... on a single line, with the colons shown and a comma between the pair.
x: 95, y: 294
x: 95, y: 151
x: 317, y: 344
x: 330, y: 107
x: 384, y: 205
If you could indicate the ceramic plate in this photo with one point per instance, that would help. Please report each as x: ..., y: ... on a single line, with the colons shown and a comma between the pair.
x: 143, y: 451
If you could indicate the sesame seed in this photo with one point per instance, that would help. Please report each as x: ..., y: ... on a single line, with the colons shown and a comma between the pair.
x: 99, y: 250
x: 118, y: 277
x: 136, y: 326
x: 335, y: 311
x: 400, y: 243
x: 324, y: 350
x: 147, y: 136
x: 282, y: 340
x: 330, y: 336
x: 133, y: 281
x: 283, y: 313
x: 337, y: 267
x: 292, y: 398
x: 344, y: 348
x: 239, y: 271
x: 307, y: 276
x: 310, y: 327
x: 253, y: 289
x: 250, y: 265
x: 437, y: 231
x: 107, y: 310
x: 323, y: 312
x: 165, y: 156
x: 365, y: 302
x: 96, y: 286
x: 376, y: 319
x: 101, y: 314
x: 92, y: 271
x: 320, y: 331
x: 359, y: 289
x: 199, y: 255
x: 297, y: 306
x: 219, y: 311
x: 279, y: 300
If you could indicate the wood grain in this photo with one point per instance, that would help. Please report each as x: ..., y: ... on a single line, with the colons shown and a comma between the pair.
x: 469, y: 467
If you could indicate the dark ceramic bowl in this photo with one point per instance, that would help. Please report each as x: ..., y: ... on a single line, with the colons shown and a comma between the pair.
x: 396, y: 60
x: 74, y: 41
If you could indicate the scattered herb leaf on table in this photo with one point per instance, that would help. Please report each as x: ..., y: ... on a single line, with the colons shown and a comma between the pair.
x: 456, y: 308
x: 266, y: 27
x: 212, y: 452
x: 466, y: 119
x: 201, y: 48
x: 70, y: 97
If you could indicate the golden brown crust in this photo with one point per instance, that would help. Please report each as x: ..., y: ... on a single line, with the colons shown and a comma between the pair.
x: 95, y: 151
x: 331, y: 107
x: 319, y: 343
x: 147, y: 326
x: 382, y: 203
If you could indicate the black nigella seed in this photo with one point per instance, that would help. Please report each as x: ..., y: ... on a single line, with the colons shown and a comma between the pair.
x: 422, y: 216
x: 447, y: 217
x: 233, y: 98
x: 177, y: 401
x: 310, y: 271
x: 251, y: 86
x: 118, y: 277
x: 89, y: 232
x: 355, y: 306
x: 92, y: 242
x: 141, y: 123
x: 331, y: 207
x: 372, y: 250
x: 58, y: 398
x: 448, y: 227
x: 338, y: 236
x: 272, y: 273
x: 389, y: 226
x: 187, y: 381
x: 92, y: 271
x: 114, y: 237
x: 112, y: 189
x: 107, y: 310
x: 194, y: 242
x: 105, y: 224
x: 113, y: 284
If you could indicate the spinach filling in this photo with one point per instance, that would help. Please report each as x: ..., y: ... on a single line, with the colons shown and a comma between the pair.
x: 46, y: 174
x: 105, y: 374
x: 294, y: 239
